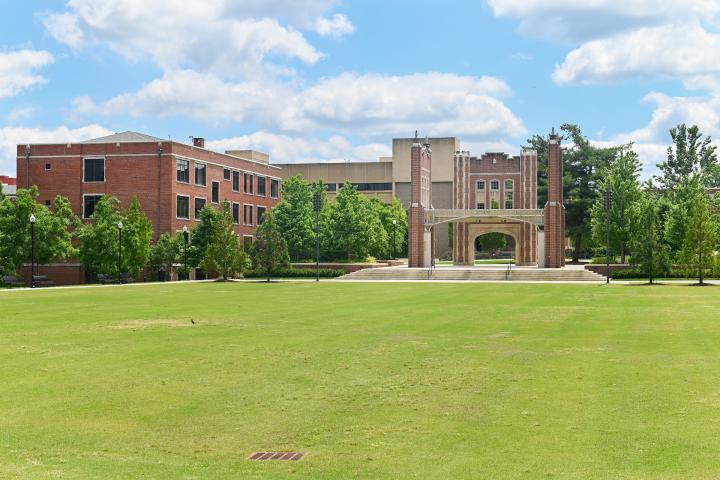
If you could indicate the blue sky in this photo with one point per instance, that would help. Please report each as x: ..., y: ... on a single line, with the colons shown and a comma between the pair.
x: 327, y: 80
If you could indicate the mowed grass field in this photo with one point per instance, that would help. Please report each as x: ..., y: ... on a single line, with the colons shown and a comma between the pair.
x: 372, y: 381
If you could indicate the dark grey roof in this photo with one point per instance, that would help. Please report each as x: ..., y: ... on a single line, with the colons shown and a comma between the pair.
x: 125, y: 137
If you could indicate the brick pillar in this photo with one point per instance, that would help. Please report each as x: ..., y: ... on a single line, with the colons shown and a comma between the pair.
x: 554, y: 208
x: 420, y: 200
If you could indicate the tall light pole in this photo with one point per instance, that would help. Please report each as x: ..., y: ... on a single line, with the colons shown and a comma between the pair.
x: 608, y: 207
x: 186, y: 236
x: 32, y: 261
x: 394, y: 234
x: 120, y: 229
x: 317, y: 205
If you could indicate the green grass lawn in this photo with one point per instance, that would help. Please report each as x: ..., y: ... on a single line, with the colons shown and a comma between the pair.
x: 373, y: 381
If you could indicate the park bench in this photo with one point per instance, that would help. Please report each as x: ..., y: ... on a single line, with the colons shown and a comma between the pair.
x: 126, y: 278
x: 13, y: 281
x: 43, y: 281
x: 105, y: 279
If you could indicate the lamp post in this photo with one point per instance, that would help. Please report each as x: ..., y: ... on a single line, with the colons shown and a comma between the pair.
x: 317, y: 206
x: 186, y: 236
x: 394, y: 234
x: 32, y: 261
x: 608, y: 208
x: 120, y: 229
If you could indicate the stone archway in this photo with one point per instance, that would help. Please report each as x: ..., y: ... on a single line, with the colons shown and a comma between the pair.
x: 474, y: 230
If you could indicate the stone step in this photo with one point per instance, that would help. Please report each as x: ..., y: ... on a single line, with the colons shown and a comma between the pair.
x: 479, y: 274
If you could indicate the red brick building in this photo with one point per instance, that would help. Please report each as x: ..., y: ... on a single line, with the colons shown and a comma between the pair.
x: 172, y: 180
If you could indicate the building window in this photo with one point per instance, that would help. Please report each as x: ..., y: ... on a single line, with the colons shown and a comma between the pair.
x: 372, y: 187
x: 261, y: 186
x: 260, y: 215
x: 226, y: 174
x: 199, y: 205
x: 481, y: 185
x: 248, y: 214
x: 248, y: 185
x: 481, y: 205
x: 48, y: 203
x: 183, y: 170
x: 48, y: 166
x: 274, y: 188
x: 215, y: 192
x: 236, y: 181
x: 236, y: 213
x: 183, y: 207
x: 508, y: 194
x: 89, y: 202
x: 494, y: 185
x: 200, y: 174
x: 94, y: 170
x: 247, y: 242
x: 331, y: 187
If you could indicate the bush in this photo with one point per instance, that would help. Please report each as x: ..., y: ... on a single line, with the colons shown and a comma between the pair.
x: 636, y: 273
x: 296, y: 273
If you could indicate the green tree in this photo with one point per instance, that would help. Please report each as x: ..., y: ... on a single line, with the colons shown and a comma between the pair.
x: 201, y: 234
x: 225, y: 254
x: 99, y: 240
x: 621, y: 177
x: 166, y: 252
x: 387, y: 213
x: 650, y: 251
x: 53, y: 236
x: 492, y: 242
x: 269, y: 252
x: 689, y: 156
x: 679, y: 204
x: 701, y: 240
x: 296, y: 218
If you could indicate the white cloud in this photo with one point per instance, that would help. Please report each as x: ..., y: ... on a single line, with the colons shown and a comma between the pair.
x: 228, y: 37
x: 19, y: 113
x: 18, y: 70
x: 368, y: 105
x: 11, y: 137
x: 287, y: 149
x: 337, y: 26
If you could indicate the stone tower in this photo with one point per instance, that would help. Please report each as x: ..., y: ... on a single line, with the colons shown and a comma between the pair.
x: 554, y: 208
x: 420, y: 251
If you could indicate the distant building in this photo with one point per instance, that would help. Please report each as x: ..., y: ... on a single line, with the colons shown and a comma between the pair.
x: 9, y: 185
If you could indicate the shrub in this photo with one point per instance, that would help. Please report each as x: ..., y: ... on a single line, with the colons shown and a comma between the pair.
x: 296, y: 273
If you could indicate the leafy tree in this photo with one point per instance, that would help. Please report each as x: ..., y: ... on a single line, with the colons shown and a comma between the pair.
x: 492, y: 242
x: 53, y: 237
x: 269, y: 252
x: 100, y: 240
x: 225, y: 254
x: 296, y: 218
x: 702, y: 237
x: 621, y: 177
x: 689, y: 156
x: 387, y: 212
x: 166, y: 252
x: 201, y: 235
x: 650, y: 251
x: 679, y: 206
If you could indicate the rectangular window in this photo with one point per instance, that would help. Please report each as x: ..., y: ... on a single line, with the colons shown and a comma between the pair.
x: 247, y: 242
x: 260, y: 215
x: 481, y: 185
x: 89, y: 202
x: 508, y: 185
x: 215, y: 192
x: 248, y: 214
x: 508, y: 199
x: 494, y: 185
x: 236, y: 213
x: 226, y: 174
x: 274, y: 188
x: 183, y: 207
x: 94, y: 170
x: 48, y: 166
x: 248, y: 185
x: 236, y: 181
x: 200, y: 174
x: 481, y: 206
x: 199, y: 205
x: 331, y: 187
x: 261, y: 186
x: 183, y: 170
x: 372, y: 187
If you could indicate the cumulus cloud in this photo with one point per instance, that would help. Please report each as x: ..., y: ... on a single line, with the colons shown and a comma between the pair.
x: 289, y: 149
x: 11, y: 137
x: 369, y: 105
x: 18, y: 70
x: 337, y: 26
x: 19, y: 113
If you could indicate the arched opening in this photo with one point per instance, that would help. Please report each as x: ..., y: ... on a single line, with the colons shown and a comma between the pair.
x: 495, y: 247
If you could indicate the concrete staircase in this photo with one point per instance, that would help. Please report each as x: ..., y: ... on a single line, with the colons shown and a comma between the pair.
x: 499, y: 273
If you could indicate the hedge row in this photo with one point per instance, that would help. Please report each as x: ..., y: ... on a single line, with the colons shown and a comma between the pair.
x: 635, y: 273
x: 296, y: 273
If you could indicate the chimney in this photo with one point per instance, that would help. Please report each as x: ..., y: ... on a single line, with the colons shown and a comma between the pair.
x: 199, y: 142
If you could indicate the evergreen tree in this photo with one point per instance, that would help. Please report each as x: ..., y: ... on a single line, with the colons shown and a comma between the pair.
x: 650, y: 252
x: 269, y: 252
x: 225, y: 254
x: 701, y: 240
x: 689, y: 156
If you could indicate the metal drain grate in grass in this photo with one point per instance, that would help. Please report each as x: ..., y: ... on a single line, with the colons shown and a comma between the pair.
x: 276, y: 456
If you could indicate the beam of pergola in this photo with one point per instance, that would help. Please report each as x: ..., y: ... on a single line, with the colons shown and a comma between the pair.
x: 440, y: 215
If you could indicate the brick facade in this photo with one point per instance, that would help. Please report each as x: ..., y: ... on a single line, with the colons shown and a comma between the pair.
x: 554, y: 208
x: 420, y: 250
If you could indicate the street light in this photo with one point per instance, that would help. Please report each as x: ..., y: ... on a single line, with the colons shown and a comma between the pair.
x: 186, y: 235
x: 32, y: 262
x: 394, y: 233
x: 120, y: 229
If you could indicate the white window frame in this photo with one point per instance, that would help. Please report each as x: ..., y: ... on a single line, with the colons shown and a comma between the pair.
x: 206, y: 174
x: 240, y: 177
x: 491, y: 185
x: 194, y: 213
x: 104, y: 168
x: 177, y: 195
x: 239, y: 212
x: 211, y: 192
x: 229, y: 170
x: 257, y: 213
x: 188, y: 171
x: 257, y: 185
x: 477, y: 183
x: 252, y: 183
x: 279, y: 182
x: 252, y: 214
x: 83, y: 202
